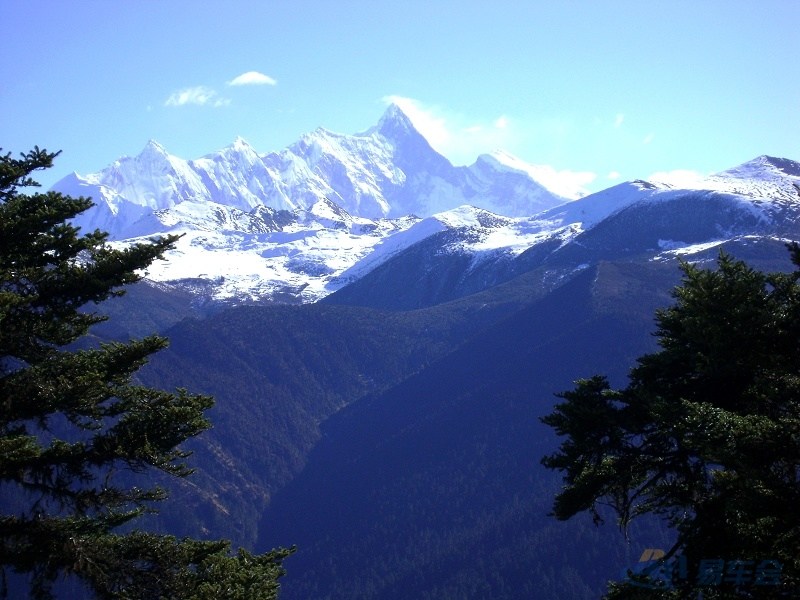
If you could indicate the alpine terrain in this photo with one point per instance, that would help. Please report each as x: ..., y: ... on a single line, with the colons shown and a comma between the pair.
x: 382, y: 331
x: 297, y: 224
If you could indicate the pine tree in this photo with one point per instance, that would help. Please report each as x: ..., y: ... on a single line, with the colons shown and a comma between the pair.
x: 706, y: 435
x: 72, y: 421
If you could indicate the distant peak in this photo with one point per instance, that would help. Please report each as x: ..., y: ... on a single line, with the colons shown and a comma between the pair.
x: 394, y: 121
x: 504, y: 158
x: 240, y: 144
x: 765, y: 164
x: 319, y: 133
x: 759, y: 162
x: 790, y: 167
x: 153, y: 147
x: 393, y: 111
x: 569, y: 185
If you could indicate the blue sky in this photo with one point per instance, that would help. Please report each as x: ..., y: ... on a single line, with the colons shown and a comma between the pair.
x: 602, y: 91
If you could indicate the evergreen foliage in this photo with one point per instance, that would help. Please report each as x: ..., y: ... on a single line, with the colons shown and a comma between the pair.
x: 705, y: 435
x: 72, y: 420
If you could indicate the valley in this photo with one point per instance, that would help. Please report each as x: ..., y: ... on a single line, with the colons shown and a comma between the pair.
x: 379, y: 405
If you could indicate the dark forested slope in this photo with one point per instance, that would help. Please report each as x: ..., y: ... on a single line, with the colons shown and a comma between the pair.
x: 433, y: 489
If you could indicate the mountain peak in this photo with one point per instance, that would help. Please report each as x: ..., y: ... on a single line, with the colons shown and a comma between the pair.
x: 393, y: 112
x: 764, y: 166
x: 241, y: 145
x: 152, y: 151
x: 154, y: 146
x: 395, y: 122
x: 501, y: 158
x: 790, y: 167
x: 564, y: 184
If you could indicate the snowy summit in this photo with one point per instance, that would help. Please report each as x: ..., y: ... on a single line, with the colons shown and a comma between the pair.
x: 300, y: 223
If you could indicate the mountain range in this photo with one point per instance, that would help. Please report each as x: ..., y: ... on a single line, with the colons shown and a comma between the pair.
x: 382, y: 331
x: 302, y: 223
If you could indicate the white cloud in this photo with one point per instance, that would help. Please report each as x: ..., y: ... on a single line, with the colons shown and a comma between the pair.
x: 648, y: 138
x: 199, y: 95
x: 613, y: 175
x: 618, y: 120
x: 570, y: 184
x: 452, y: 134
x: 427, y: 120
x: 461, y: 140
x: 680, y: 178
x: 252, y: 78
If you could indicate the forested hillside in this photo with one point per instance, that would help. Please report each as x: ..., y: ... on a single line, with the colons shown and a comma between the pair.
x: 434, y: 487
x: 276, y: 373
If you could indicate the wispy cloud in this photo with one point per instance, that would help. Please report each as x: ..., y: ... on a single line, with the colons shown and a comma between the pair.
x: 618, y: 120
x: 613, y: 175
x: 648, y: 138
x: 566, y: 183
x: 462, y: 140
x: 202, y: 95
x: 199, y: 95
x: 452, y: 134
x: 252, y: 78
x: 429, y: 121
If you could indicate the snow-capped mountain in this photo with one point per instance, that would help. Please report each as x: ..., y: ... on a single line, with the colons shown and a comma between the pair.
x: 299, y: 224
x: 289, y: 224
x: 639, y: 220
x: 760, y: 196
x: 388, y: 171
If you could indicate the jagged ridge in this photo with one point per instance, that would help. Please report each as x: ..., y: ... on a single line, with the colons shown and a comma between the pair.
x: 299, y: 224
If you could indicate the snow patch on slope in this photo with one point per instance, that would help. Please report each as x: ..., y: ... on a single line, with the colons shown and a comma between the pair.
x: 298, y: 264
